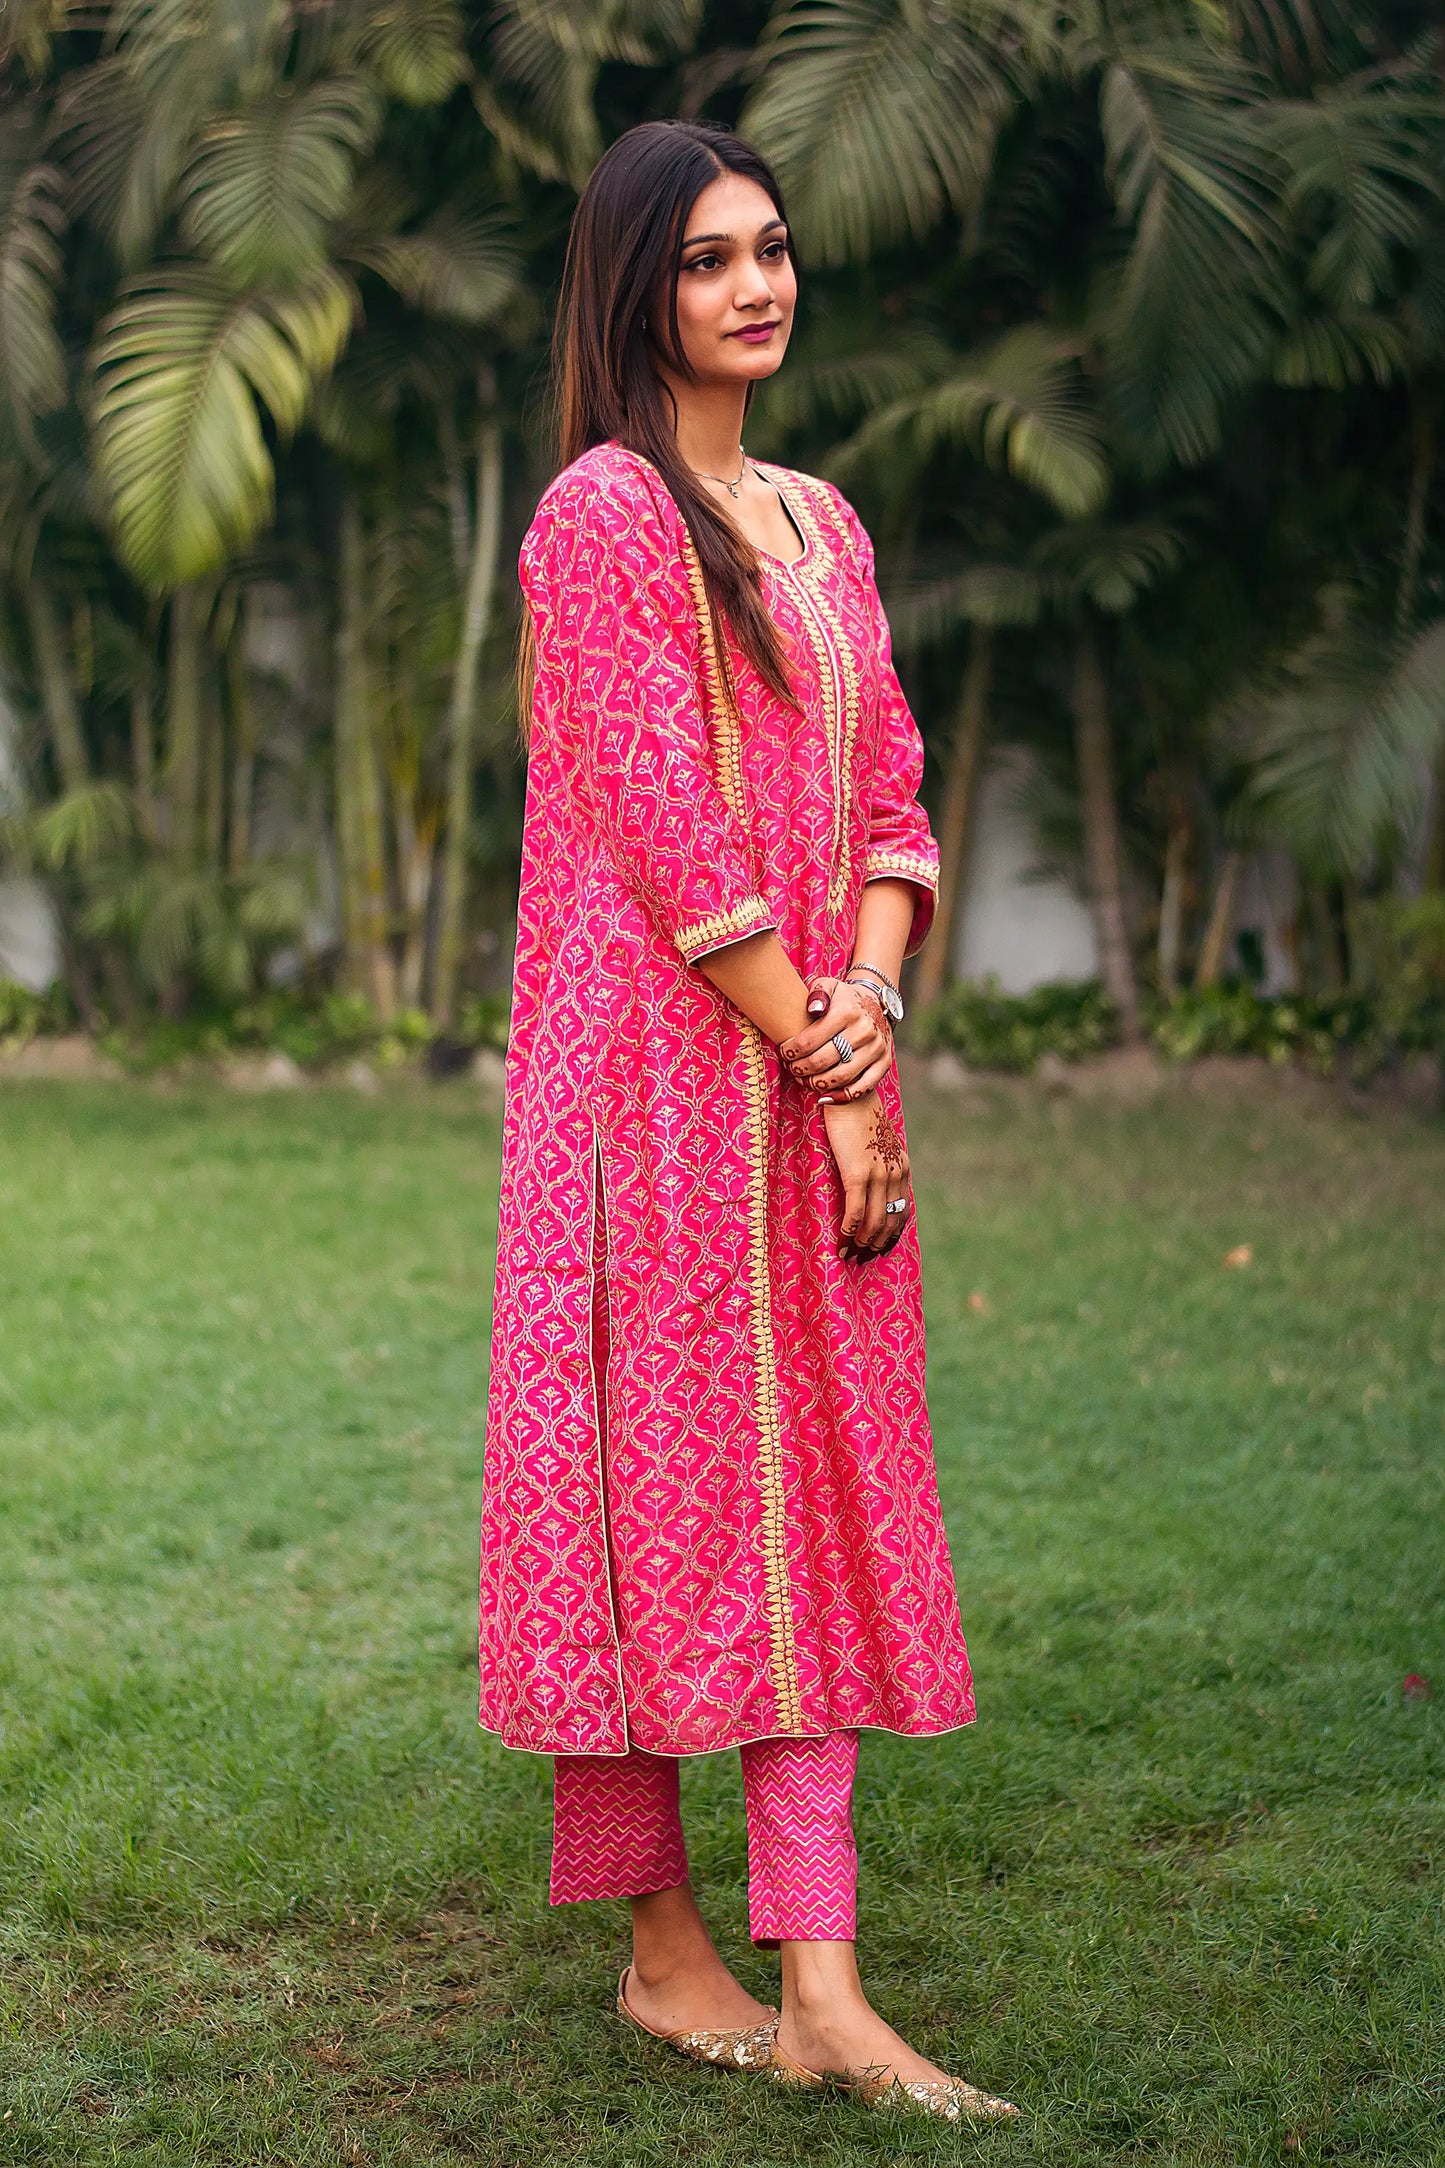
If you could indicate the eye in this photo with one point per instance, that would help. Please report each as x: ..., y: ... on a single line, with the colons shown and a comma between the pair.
x: 775, y: 251
x: 704, y: 263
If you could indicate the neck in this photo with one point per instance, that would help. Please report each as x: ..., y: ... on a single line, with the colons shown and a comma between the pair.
x: 710, y: 427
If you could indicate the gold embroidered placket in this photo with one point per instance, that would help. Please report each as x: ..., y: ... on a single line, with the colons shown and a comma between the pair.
x: 837, y: 675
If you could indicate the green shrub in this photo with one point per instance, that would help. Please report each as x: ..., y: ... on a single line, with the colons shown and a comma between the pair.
x: 26, y: 1015
x: 318, y: 1034
x: 1410, y: 962
x: 1320, y: 1032
x: 995, y: 1030
x: 484, y: 1021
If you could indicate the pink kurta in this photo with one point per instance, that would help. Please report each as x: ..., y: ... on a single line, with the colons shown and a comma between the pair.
x: 709, y: 1506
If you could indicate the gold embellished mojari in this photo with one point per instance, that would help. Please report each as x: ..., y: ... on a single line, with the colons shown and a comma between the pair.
x: 948, y: 2098
x: 727, y: 2047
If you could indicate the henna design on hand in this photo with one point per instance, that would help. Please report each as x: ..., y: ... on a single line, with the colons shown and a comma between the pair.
x: 874, y: 1008
x: 886, y: 1143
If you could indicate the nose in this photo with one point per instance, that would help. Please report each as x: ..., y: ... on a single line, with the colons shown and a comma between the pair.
x: 753, y: 291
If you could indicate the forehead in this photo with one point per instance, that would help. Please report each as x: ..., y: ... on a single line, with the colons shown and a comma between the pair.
x: 731, y: 204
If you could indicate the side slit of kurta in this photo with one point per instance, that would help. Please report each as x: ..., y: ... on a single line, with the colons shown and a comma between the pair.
x: 600, y: 1348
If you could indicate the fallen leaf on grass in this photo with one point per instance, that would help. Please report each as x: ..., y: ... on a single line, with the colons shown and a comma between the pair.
x: 1241, y: 1254
x: 976, y: 1301
x: 1417, y: 1687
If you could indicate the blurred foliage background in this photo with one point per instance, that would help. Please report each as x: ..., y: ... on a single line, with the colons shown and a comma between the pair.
x: 1124, y: 327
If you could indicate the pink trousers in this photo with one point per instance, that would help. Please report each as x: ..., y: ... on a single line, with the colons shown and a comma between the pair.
x: 617, y: 1832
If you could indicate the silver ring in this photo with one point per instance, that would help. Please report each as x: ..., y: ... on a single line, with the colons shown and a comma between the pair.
x: 897, y: 1204
x: 844, y: 1045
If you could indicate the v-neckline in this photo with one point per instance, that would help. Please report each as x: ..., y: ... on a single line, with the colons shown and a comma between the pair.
x: 784, y: 564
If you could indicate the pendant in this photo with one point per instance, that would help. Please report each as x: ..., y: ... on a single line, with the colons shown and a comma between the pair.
x: 732, y: 489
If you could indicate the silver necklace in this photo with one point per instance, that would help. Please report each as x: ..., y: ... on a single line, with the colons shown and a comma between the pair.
x: 732, y: 488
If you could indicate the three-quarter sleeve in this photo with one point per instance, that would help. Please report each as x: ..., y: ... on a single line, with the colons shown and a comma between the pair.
x: 617, y: 649
x: 900, y: 845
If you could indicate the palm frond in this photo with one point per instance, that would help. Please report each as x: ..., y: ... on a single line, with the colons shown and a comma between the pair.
x: 924, y: 610
x: 1019, y: 404
x: 213, y: 51
x: 1424, y: 306
x: 1198, y: 302
x: 418, y: 49
x: 1365, y: 167
x: 1107, y: 564
x: 26, y: 30
x: 265, y: 183
x: 77, y: 829
x: 1342, y: 741
x: 178, y: 368
x: 32, y: 222
x: 272, y: 903
x: 537, y: 93
x: 826, y: 382
x: 881, y: 114
x: 122, y: 151
x: 462, y: 264
x: 1337, y: 351
x: 179, y: 918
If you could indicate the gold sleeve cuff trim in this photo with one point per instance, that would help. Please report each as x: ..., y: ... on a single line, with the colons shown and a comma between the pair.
x: 905, y: 865
x: 750, y: 916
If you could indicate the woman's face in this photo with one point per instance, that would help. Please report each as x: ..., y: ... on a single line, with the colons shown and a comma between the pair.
x: 736, y: 289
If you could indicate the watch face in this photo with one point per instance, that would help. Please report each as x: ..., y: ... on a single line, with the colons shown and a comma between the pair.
x: 892, y: 1003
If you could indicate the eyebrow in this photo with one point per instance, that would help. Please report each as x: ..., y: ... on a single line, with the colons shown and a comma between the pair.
x: 693, y: 239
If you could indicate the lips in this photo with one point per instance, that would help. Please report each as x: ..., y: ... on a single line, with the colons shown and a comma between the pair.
x: 754, y: 334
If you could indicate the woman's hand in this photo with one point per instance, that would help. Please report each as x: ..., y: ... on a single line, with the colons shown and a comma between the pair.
x: 857, y: 1013
x: 873, y: 1162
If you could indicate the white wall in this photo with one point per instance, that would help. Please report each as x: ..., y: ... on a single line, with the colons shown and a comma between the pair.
x: 1266, y: 899
x: 1023, y: 932
x: 28, y: 948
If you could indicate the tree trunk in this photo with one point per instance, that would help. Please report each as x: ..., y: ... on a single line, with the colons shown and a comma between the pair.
x: 1102, y: 849
x: 458, y: 519
x: 416, y: 851
x: 1435, y: 844
x: 1221, y: 917
x: 243, y: 750
x: 1324, y: 939
x: 934, y: 969
x: 143, y: 739
x: 184, y: 723
x: 414, y: 838
x: 213, y: 763
x: 347, y: 696
x: 57, y: 685
x: 368, y: 964
x: 461, y: 716
x: 1171, y: 902
x: 1424, y: 419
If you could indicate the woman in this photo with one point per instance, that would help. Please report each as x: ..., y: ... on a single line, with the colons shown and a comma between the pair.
x: 710, y: 1517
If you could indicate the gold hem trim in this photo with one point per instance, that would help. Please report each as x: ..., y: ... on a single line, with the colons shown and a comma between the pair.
x: 777, y: 1590
x: 879, y: 864
x: 749, y: 915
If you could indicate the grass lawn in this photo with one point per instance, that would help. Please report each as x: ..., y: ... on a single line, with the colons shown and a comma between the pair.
x: 269, y: 1896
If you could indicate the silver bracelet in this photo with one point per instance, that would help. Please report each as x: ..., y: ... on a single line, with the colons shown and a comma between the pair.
x: 888, y: 993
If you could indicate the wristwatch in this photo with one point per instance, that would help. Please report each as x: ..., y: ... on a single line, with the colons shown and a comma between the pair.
x: 888, y: 993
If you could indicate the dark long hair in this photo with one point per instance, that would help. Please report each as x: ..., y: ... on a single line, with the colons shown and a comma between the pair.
x: 623, y: 261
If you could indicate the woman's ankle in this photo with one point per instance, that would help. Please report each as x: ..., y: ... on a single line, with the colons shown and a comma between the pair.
x: 670, y: 1938
x: 820, y: 1980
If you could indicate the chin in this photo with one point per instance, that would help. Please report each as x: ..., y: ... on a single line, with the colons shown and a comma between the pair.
x: 751, y: 364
